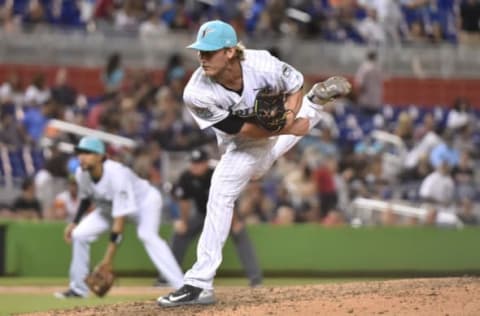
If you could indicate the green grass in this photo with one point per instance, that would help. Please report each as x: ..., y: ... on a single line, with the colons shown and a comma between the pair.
x: 59, y: 281
x: 128, y: 281
x: 24, y: 303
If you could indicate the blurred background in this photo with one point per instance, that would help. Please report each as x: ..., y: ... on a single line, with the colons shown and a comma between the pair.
x: 401, y: 150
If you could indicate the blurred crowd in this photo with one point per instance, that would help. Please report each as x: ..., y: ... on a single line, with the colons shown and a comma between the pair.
x: 374, y: 22
x: 427, y: 157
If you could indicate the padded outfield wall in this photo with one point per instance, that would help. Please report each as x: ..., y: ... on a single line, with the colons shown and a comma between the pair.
x: 37, y: 249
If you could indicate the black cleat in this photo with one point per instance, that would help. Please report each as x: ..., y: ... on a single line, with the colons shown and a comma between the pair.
x: 187, y: 295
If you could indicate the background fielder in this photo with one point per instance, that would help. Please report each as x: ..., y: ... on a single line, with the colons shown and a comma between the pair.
x: 221, y: 94
x: 118, y: 194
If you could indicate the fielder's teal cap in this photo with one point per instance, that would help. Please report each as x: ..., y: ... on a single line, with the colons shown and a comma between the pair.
x: 90, y: 144
x: 215, y: 35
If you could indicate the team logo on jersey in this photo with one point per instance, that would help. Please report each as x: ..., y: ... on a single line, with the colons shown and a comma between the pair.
x: 203, y: 113
x: 286, y: 70
x: 241, y: 109
x: 243, y: 112
x: 264, y: 90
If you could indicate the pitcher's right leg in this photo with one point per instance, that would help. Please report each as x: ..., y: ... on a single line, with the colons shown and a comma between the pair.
x: 229, y: 178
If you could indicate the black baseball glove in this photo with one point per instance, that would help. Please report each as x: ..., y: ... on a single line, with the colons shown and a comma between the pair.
x: 270, y: 111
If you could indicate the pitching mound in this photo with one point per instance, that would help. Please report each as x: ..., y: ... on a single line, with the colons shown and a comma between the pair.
x: 448, y: 296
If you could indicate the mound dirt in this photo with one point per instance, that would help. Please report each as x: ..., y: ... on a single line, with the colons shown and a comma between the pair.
x: 442, y: 296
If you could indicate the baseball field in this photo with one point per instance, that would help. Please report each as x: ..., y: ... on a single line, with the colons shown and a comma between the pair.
x: 319, y: 254
x: 284, y: 296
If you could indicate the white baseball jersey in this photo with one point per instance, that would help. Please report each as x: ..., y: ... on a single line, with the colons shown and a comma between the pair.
x: 67, y: 202
x: 119, y: 189
x: 210, y: 102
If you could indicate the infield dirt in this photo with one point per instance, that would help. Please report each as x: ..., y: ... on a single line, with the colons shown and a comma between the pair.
x: 440, y: 296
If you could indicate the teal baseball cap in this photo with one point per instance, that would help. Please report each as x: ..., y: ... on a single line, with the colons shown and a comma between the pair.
x: 214, y: 35
x: 90, y: 144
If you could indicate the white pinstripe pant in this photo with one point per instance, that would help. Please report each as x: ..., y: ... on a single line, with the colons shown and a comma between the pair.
x: 230, y: 177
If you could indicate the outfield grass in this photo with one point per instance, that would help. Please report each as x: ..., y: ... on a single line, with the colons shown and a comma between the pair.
x: 12, y: 303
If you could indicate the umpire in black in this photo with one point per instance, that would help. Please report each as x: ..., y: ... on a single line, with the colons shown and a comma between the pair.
x: 193, y: 186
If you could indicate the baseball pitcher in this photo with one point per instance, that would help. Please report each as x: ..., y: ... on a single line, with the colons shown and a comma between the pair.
x: 255, y: 104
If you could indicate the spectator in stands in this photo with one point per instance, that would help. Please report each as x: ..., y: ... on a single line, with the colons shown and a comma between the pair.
x: 128, y: 18
x: 427, y: 125
x: 146, y: 163
x: 437, y: 191
x: 11, y: 92
x: 371, y: 30
x: 417, y: 160
x: 254, y: 205
x: 180, y: 17
x: 445, y: 152
x: 35, y: 119
x: 466, y: 213
x: 51, y: 179
x: 34, y: 15
x: 11, y: 133
x: 390, y: 18
x: 175, y: 68
x: 113, y: 74
x: 376, y: 182
x: 282, y: 199
x: 459, y: 115
x: 8, y: 22
x: 37, y: 92
x: 464, y: 176
x: 62, y: 94
x: 369, y: 84
x: 420, y: 166
x: 26, y: 206
x: 405, y: 128
x: 324, y: 179
x: 152, y: 28
x: 469, y: 22
x: 301, y: 187
x: 285, y: 215
x: 66, y: 203
x: 343, y: 179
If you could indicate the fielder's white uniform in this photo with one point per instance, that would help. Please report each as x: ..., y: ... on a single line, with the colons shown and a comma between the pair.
x: 243, y: 158
x: 120, y: 192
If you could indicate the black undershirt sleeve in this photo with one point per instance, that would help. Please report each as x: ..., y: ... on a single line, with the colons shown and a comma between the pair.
x: 82, y: 208
x: 230, y: 125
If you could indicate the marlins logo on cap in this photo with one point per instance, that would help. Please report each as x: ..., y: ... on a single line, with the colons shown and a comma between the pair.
x: 215, y: 35
x: 206, y: 31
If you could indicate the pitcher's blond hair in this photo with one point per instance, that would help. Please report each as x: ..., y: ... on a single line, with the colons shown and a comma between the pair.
x: 240, y: 51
